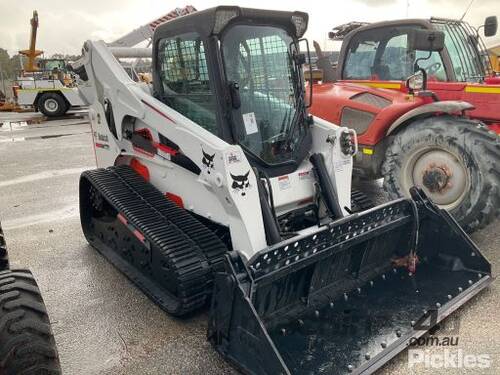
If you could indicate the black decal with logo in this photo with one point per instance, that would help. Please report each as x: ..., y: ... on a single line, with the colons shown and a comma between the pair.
x: 240, y: 183
x: 208, y: 161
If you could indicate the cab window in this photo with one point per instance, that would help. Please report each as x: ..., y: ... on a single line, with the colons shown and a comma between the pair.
x: 185, y: 82
x: 384, y: 54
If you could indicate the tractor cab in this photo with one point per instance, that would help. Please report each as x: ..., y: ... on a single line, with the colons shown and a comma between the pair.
x: 48, y: 65
x: 383, y: 51
x: 240, y: 79
x: 381, y: 55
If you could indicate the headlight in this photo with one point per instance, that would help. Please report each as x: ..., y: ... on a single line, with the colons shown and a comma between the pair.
x: 416, y: 82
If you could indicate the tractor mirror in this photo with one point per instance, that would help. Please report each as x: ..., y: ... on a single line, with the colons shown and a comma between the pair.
x: 490, y: 26
x: 426, y: 40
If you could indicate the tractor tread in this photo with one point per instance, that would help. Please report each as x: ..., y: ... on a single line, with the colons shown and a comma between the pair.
x: 27, y: 345
x: 189, y: 252
x: 477, y: 146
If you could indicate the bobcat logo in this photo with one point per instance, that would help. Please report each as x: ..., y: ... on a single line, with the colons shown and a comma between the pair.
x: 208, y: 161
x: 240, y: 183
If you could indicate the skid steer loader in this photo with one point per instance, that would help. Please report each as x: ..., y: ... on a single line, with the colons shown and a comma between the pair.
x: 215, y: 184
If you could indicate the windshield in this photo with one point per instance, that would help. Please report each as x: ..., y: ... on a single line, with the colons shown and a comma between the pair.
x: 259, y: 59
x: 385, y: 54
x: 50, y: 65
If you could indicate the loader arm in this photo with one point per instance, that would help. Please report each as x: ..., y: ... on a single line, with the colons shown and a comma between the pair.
x: 130, y: 105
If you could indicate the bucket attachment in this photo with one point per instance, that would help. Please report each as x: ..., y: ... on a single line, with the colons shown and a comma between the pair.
x: 349, y: 297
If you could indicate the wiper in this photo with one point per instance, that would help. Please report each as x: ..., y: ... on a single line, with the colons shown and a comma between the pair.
x: 296, y: 118
x: 286, y: 120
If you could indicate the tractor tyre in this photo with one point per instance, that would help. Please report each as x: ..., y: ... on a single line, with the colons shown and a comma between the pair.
x: 27, y: 345
x: 52, y: 104
x: 454, y: 160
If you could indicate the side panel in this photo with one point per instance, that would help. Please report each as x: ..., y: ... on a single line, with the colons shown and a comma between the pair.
x: 26, y: 97
x: 326, y: 141
x: 485, y: 98
x: 331, y: 99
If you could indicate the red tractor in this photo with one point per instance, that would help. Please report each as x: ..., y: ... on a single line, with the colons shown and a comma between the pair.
x: 425, y: 102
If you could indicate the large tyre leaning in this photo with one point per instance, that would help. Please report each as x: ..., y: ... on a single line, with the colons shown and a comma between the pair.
x: 454, y: 160
x: 27, y: 344
x: 52, y: 104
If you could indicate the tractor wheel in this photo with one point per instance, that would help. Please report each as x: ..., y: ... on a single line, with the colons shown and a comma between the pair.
x: 454, y: 160
x: 52, y: 104
x: 27, y: 345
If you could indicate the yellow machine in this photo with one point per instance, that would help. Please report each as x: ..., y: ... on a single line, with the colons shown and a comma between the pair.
x: 32, y: 53
x: 44, y: 85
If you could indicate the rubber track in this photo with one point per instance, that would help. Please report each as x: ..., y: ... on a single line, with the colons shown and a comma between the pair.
x: 193, y: 251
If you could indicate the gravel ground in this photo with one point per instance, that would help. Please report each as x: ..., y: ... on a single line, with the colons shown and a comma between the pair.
x: 102, y: 323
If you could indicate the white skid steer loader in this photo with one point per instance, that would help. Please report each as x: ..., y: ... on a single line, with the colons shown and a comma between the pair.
x: 215, y: 183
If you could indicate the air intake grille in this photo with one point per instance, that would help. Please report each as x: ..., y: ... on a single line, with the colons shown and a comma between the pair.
x: 370, y: 99
x: 356, y: 119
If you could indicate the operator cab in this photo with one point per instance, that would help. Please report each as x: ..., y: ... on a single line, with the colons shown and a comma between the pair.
x: 237, y: 72
x: 383, y: 51
x: 386, y: 53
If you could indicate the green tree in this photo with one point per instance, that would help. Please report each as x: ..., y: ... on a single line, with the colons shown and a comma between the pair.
x: 4, y: 63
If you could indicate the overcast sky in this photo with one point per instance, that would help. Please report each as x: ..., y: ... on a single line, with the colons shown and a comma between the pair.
x: 66, y: 24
